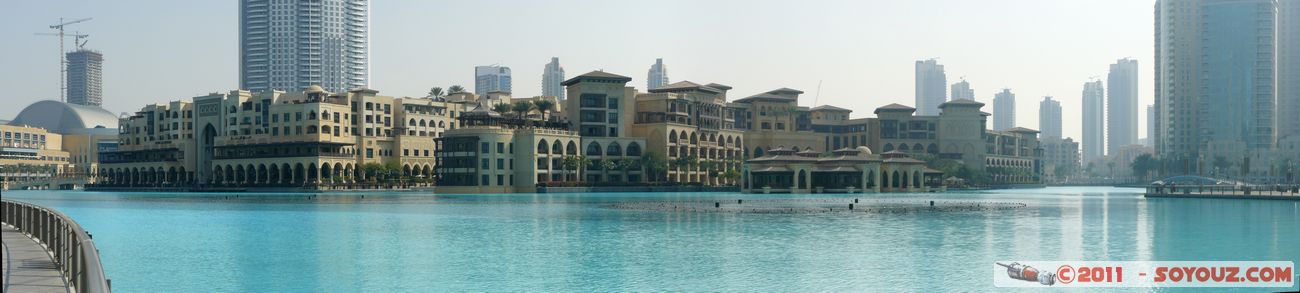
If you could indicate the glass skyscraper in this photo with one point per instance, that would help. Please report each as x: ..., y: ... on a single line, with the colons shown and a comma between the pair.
x: 293, y: 44
x: 491, y: 78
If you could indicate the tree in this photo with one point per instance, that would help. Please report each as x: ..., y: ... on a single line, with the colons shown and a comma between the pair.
x: 655, y: 164
x: 608, y: 165
x: 1143, y: 165
x: 730, y: 175
x: 626, y: 165
x: 1221, y: 164
x: 504, y: 109
x: 435, y: 92
x: 455, y: 89
x: 544, y: 106
x: 522, y: 108
x: 1111, y: 165
x: 372, y: 170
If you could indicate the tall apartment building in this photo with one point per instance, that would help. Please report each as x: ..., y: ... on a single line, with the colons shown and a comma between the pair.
x: 1215, y: 79
x: 962, y: 90
x: 1151, y: 126
x: 276, y: 139
x: 1288, y: 65
x: 491, y: 78
x: 931, y: 87
x: 657, y: 76
x: 1049, y: 118
x: 1004, y: 110
x: 552, y: 77
x: 1094, y: 120
x: 290, y: 45
x: 1122, y: 104
x: 85, y: 77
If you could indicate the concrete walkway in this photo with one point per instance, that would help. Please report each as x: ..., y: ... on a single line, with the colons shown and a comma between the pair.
x: 26, y: 266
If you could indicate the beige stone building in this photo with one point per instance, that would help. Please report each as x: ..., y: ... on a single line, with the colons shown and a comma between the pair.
x: 30, y: 153
x: 691, y: 125
x: 491, y: 153
x: 277, y: 139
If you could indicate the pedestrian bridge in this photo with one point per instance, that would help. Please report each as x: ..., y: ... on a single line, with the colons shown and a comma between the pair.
x: 45, y: 251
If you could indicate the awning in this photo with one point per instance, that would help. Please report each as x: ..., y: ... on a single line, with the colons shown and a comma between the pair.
x: 770, y: 169
x: 837, y: 169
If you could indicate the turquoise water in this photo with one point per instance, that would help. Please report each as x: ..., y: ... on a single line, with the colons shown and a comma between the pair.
x: 157, y: 242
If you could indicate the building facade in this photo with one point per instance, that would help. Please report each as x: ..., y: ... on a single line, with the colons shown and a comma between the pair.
x: 292, y: 45
x: 1288, y: 75
x: 491, y: 153
x: 690, y: 125
x: 1122, y: 104
x: 1060, y: 159
x: 1049, y: 118
x: 1094, y: 120
x: 85, y: 77
x: 1004, y: 110
x: 1216, y: 76
x: 491, y: 78
x: 657, y: 76
x: 274, y: 139
x: 31, y: 153
x: 603, y: 112
x: 931, y: 86
x: 552, y: 77
x: 848, y: 170
x: 962, y: 90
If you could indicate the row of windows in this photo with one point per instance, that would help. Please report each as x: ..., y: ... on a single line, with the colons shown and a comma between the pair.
x: 23, y: 135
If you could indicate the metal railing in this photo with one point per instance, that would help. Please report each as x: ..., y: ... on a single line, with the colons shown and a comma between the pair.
x: 71, y: 247
x: 1242, y: 190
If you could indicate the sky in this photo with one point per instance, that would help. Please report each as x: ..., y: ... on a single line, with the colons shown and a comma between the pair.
x: 861, y: 52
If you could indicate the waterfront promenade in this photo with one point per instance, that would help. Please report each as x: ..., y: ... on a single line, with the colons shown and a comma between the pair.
x: 1229, y: 192
x: 27, y: 267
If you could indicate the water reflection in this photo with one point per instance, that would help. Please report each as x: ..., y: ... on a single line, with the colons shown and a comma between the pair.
x: 564, y: 242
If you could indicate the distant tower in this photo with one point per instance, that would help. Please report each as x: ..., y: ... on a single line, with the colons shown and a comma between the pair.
x: 1151, y: 125
x: 1288, y: 65
x: 1122, y: 105
x: 85, y: 77
x: 1094, y: 120
x: 962, y: 90
x: 1004, y: 110
x: 491, y: 78
x: 291, y: 45
x: 658, y: 75
x: 1049, y: 118
x: 931, y: 87
x: 552, y: 76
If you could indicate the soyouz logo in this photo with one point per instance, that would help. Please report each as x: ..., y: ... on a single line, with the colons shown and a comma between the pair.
x: 1066, y: 274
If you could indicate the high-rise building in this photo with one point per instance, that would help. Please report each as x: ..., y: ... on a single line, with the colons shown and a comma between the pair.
x: 1151, y: 126
x: 1288, y: 65
x: 1094, y: 120
x: 1049, y: 118
x: 85, y: 77
x: 658, y: 75
x: 931, y: 87
x: 1215, y: 78
x: 1122, y: 104
x: 292, y: 45
x: 491, y: 78
x: 1004, y: 110
x: 552, y: 77
x: 962, y: 90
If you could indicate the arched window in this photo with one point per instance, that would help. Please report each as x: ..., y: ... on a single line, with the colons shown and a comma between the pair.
x: 889, y: 147
x: 541, y: 147
x: 325, y: 130
x: 758, y: 152
x: 695, y: 139
x: 672, y: 136
x: 422, y: 123
x: 614, y: 149
x: 571, y: 148
x: 593, y: 149
x: 933, y: 149
x: 904, y: 148
x: 918, y: 148
x: 311, y: 115
x: 441, y: 124
x: 633, y: 149
x: 557, y: 149
x: 412, y: 123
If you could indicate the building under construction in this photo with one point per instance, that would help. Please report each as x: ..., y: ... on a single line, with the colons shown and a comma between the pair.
x: 85, y: 77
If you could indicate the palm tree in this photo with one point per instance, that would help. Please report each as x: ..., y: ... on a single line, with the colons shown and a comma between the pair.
x: 435, y: 92
x: 626, y: 164
x: 455, y: 89
x: 502, y: 108
x: 522, y: 108
x: 544, y: 106
x: 655, y: 165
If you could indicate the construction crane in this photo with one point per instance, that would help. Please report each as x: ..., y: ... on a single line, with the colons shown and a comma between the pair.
x: 63, y: 68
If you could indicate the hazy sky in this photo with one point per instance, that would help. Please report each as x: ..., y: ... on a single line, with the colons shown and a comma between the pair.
x: 861, y: 51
